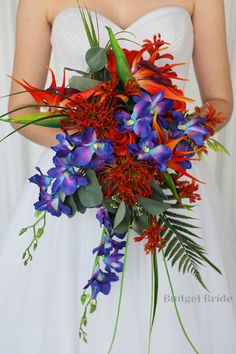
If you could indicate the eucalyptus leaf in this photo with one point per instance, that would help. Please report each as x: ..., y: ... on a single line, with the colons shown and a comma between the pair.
x: 69, y: 201
x: 109, y: 204
x: 80, y: 208
x: 124, y: 224
x: 141, y: 222
x: 96, y: 58
x: 120, y: 215
x: 91, y: 195
x: 82, y: 83
x: 154, y: 207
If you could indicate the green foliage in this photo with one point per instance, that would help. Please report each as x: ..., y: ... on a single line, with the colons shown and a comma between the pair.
x: 82, y: 83
x: 96, y: 58
x: 91, y: 195
x: 154, y: 207
x: 216, y: 146
x: 181, y: 248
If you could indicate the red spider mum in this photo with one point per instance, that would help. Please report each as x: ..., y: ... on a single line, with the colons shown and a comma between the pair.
x: 152, y: 235
x: 95, y: 113
x: 127, y: 178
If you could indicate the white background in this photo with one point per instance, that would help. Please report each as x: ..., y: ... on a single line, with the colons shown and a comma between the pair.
x: 18, y: 156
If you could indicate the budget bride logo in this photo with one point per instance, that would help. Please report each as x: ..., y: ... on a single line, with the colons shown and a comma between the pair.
x: 198, y: 298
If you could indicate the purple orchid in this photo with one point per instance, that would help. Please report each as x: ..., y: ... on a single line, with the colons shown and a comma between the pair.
x: 142, y: 116
x: 185, y: 146
x: 43, y: 181
x: 113, y: 262
x: 90, y: 149
x: 147, y: 149
x: 67, y: 179
x: 66, y: 144
x: 52, y: 204
x: 104, y: 218
x: 101, y: 282
x: 193, y: 126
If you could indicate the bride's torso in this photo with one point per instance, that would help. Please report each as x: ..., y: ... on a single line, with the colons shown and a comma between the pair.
x: 173, y: 22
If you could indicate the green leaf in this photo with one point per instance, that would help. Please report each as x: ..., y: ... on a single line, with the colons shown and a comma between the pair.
x: 109, y: 204
x: 120, y: 214
x: 124, y: 225
x: 52, y: 120
x: 141, y: 222
x: 37, y: 213
x: 96, y: 58
x: 91, y: 195
x: 216, y: 146
x: 170, y: 183
x: 80, y: 208
x: 69, y: 201
x: 157, y: 189
x: 154, y: 207
x: 83, y: 83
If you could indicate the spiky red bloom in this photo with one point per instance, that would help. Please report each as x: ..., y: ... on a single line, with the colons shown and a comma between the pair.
x: 187, y: 189
x: 127, y: 178
x: 96, y: 114
x: 152, y: 235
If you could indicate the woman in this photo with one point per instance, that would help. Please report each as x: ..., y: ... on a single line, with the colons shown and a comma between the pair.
x: 40, y: 305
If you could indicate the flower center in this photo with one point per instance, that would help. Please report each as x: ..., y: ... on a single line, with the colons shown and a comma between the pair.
x: 182, y: 127
x: 130, y: 122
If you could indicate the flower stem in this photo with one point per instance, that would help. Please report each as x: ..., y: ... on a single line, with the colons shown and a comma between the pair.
x: 121, y: 290
x: 151, y: 306
x: 176, y: 308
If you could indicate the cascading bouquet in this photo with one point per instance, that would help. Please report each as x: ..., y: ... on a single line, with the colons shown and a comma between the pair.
x: 126, y: 146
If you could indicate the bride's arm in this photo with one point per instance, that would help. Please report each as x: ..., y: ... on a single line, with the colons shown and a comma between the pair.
x: 32, y: 54
x: 210, y: 56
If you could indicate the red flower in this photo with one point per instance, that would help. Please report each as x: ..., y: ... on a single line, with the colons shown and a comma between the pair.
x: 152, y: 235
x: 127, y: 178
x: 91, y: 113
x: 121, y: 142
x: 187, y: 189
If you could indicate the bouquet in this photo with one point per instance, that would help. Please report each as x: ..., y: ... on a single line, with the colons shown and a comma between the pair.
x: 126, y: 148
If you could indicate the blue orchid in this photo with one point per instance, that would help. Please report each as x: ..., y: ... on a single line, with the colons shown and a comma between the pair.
x: 67, y: 179
x: 185, y: 146
x: 52, y: 204
x: 193, y: 126
x: 66, y: 144
x: 43, y: 181
x: 113, y: 262
x: 147, y: 149
x: 90, y: 149
x: 101, y: 282
x: 104, y: 218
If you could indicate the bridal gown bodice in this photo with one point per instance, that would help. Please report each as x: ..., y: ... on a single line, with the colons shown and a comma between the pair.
x: 40, y: 307
x: 69, y: 40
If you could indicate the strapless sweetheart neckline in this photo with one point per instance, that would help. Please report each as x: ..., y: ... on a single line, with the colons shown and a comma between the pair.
x: 136, y: 22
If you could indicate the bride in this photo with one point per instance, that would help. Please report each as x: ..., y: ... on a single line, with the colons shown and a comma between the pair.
x: 40, y: 306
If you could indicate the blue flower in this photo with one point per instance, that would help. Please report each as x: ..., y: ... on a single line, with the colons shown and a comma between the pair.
x: 90, y: 149
x: 52, y: 204
x: 67, y: 179
x: 104, y: 218
x: 113, y: 262
x: 193, y: 126
x: 147, y: 149
x: 101, y: 282
x: 43, y: 181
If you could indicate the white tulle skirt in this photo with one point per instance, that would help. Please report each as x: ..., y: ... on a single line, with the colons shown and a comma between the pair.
x: 40, y: 307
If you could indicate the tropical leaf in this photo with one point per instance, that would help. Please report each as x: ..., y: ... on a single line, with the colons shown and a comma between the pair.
x: 52, y: 120
x: 181, y: 249
x: 216, y: 146
x: 154, y: 207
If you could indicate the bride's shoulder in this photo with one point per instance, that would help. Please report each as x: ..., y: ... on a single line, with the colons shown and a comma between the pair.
x: 53, y: 7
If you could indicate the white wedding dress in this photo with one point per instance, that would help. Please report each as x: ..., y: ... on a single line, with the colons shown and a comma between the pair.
x: 40, y: 307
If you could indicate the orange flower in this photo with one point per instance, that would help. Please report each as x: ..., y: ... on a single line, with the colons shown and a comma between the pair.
x: 152, y: 235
